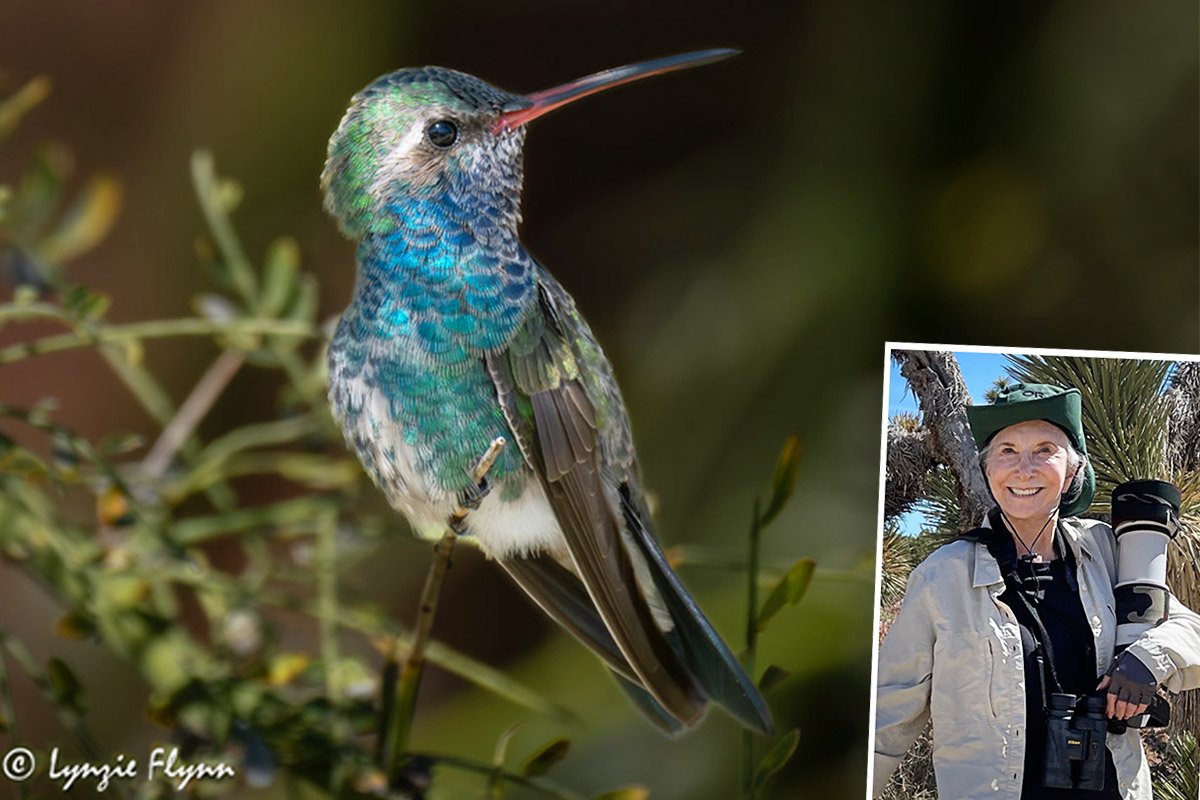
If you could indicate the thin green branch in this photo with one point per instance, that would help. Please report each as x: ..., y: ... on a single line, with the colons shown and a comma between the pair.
x: 22, y: 312
x: 199, y: 530
x: 769, y: 573
x: 403, y: 708
x: 298, y: 373
x: 263, y: 434
x: 212, y: 464
x: 397, y: 729
x: 208, y: 192
x: 328, y: 602
x: 80, y: 446
x: 157, y: 329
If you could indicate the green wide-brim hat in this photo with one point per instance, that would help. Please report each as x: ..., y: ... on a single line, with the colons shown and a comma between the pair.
x: 1024, y: 402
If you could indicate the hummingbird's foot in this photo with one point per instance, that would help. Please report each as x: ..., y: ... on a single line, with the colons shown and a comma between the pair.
x: 458, y: 523
x: 471, y: 497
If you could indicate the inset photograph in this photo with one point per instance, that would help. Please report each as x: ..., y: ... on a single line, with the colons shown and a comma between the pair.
x: 1039, y: 562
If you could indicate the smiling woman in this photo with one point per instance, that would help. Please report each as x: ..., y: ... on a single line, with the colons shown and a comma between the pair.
x: 1007, y: 637
x: 1029, y: 466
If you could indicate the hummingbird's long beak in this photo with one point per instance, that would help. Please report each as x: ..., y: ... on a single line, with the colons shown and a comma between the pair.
x: 539, y: 103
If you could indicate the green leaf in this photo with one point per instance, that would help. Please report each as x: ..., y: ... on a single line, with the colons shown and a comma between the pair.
x: 228, y: 194
x: 285, y: 667
x: 25, y: 294
x: 550, y: 754
x: 65, y: 687
x: 784, y: 481
x: 352, y: 679
x: 789, y: 591
x: 627, y: 793
x: 75, y: 626
x: 38, y: 192
x: 497, y: 682
x: 496, y: 781
x: 772, y: 677
x: 75, y: 296
x: 217, y: 199
x: 119, y: 444
x: 280, y: 269
x: 17, y: 106
x: 85, y: 222
x: 304, y: 306
x: 776, y: 758
x: 62, y: 450
x: 16, y: 460
x: 501, y: 752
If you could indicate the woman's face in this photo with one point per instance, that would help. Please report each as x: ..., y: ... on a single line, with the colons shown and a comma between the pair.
x: 1028, y: 468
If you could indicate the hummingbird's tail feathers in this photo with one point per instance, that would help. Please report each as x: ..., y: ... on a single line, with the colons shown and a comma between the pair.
x: 607, y: 572
x: 704, y: 652
x: 562, y: 597
x: 560, y: 594
x: 650, y: 709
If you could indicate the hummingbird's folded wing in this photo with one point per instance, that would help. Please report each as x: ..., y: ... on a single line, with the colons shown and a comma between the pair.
x: 554, y: 422
x: 696, y: 643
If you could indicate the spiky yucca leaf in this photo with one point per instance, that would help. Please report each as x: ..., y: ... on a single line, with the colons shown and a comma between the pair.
x: 896, y: 563
x: 940, y: 507
x: 1124, y: 414
x: 999, y: 385
x: 1178, y: 777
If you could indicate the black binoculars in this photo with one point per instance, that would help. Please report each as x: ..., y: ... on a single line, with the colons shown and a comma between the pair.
x: 1076, y: 729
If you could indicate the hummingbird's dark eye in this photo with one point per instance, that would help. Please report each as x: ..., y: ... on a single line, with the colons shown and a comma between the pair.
x: 442, y: 133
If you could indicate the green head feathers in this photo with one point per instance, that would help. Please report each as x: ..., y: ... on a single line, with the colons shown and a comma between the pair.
x: 414, y: 132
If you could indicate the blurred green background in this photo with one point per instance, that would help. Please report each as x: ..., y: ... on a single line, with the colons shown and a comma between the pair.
x: 743, y: 239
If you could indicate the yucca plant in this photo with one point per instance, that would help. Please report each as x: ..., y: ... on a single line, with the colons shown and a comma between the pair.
x: 896, y: 563
x: 1125, y: 419
x: 1178, y: 776
x: 1124, y: 413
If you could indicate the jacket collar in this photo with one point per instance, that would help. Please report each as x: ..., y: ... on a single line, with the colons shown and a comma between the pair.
x: 986, y: 571
x: 1082, y: 545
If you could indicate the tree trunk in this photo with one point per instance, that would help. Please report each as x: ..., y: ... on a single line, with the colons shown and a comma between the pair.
x: 937, y: 382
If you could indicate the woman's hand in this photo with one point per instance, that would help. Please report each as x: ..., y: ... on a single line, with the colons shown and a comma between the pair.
x: 1130, y: 685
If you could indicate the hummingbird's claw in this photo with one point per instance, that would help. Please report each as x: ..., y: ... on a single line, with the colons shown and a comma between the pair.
x: 474, y: 494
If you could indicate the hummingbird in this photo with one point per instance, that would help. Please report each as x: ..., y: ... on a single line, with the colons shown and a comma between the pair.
x: 456, y: 335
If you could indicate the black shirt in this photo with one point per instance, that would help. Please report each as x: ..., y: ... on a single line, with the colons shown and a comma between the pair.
x: 1062, y: 616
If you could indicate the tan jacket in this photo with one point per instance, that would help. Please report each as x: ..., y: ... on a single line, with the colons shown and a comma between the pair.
x: 954, y: 653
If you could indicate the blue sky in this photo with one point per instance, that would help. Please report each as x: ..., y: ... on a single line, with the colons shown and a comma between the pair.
x: 979, y: 371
